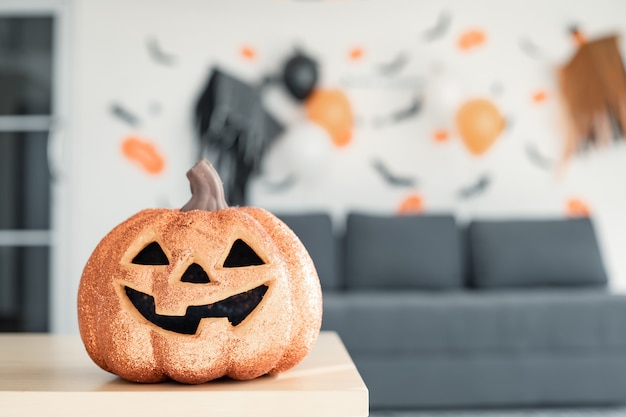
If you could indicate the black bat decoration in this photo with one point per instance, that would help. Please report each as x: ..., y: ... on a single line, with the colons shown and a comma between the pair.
x: 395, y: 66
x: 281, y: 186
x: 390, y: 178
x: 124, y: 115
x: 537, y: 159
x: 406, y: 113
x: 497, y: 88
x: 475, y: 189
x: 158, y: 54
x: 529, y: 48
x: 440, y: 29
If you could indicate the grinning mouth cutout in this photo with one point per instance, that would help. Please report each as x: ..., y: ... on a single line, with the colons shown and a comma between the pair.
x: 236, y: 308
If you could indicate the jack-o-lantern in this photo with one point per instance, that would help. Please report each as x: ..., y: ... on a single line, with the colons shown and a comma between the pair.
x: 199, y: 293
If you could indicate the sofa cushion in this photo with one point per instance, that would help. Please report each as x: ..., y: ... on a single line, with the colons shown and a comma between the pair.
x: 316, y: 233
x: 520, y: 321
x: 402, y: 252
x: 535, y: 253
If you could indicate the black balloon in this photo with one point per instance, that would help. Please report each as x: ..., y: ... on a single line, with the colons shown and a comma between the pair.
x: 300, y: 75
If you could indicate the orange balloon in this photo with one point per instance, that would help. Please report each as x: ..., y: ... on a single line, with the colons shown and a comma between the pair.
x: 479, y: 123
x: 331, y: 110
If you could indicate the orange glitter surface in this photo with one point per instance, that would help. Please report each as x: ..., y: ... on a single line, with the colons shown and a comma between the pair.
x: 275, y: 335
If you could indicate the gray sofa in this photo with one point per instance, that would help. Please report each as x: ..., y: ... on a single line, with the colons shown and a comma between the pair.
x: 491, y: 314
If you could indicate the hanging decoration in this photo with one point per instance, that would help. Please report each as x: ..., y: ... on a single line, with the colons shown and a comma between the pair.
x: 479, y: 122
x: 575, y: 207
x: 331, y: 110
x: 593, y: 88
x: 411, y: 205
x: 480, y: 186
x: 123, y: 114
x: 144, y: 153
x: 157, y: 53
x: 537, y: 158
x: 439, y: 29
x: 300, y: 75
x: 391, y: 178
x: 356, y: 53
x: 235, y: 129
x: 395, y: 65
x: 412, y: 110
x: 471, y: 39
x: 299, y: 155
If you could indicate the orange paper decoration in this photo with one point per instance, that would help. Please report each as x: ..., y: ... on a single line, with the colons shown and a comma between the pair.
x: 577, y: 208
x: 356, y: 53
x: 412, y: 204
x: 441, y: 135
x: 331, y: 110
x: 540, y: 96
x: 471, y: 39
x: 248, y: 52
x: 479, y: 123
x: 143, y: 153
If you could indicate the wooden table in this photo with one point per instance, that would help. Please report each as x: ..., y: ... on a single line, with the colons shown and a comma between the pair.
x: 51, y: 375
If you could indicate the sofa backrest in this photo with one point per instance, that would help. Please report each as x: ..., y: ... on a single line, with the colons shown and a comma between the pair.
x: 432, y: 252
x: 534, y: 253
x: 316, y: 234
x: 402, y: 252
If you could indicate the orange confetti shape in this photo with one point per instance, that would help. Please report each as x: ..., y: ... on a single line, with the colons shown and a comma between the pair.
x: 331, y: 110
x: 143, y: 153
x: 412, y: 204
x: 356, y: 53
x: 577, y: 208
x: 471, y: 39
x: 441, y: 135
x: 540, y: 96
x: 248, y: 52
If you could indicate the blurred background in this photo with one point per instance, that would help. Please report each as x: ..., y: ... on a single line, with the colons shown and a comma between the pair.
x: 393, y: 107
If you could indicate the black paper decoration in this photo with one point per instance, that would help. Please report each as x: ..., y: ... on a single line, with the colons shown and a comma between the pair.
x: 232, y: 123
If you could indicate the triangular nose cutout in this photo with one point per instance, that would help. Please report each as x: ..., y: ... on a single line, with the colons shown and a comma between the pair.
x: 195, y: 274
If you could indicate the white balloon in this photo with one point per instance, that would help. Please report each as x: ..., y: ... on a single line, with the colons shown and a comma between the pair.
x: 301, y: 153
x: 443, y: 96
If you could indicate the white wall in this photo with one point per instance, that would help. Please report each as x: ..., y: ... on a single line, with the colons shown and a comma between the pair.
x: 112, y: 65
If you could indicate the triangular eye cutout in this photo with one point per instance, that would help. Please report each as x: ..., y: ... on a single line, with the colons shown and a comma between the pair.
x: 151, y: 255
x: 195, y: 274
x: 242, y: 255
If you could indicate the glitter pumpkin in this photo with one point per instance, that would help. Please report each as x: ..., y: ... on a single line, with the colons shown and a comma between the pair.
x: 199, y: 293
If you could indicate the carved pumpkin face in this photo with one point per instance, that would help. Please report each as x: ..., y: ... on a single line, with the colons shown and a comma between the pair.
x: 197, y: 295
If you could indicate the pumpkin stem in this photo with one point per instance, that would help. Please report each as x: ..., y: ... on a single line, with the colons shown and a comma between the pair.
x: 207, y: 190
